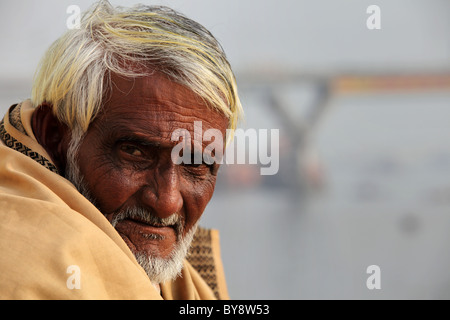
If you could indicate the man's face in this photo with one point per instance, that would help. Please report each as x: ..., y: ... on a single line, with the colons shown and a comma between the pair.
x: 125, y: 161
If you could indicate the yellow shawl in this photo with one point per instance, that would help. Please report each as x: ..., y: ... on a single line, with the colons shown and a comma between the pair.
x: 47, y: 226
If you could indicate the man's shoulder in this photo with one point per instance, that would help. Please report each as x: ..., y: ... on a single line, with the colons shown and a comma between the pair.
x: 46, y: 244
x: 52, y: 252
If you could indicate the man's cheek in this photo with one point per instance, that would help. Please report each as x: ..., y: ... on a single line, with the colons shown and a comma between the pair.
x: 201, y: 194
x: 113, y: 189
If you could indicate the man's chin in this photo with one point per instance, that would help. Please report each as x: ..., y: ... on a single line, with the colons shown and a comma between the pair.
x: 159, y: 270
x: 164, y: 266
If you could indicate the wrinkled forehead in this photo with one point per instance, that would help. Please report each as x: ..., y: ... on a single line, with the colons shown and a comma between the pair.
x: 156, y: 87
x: 157, y: 105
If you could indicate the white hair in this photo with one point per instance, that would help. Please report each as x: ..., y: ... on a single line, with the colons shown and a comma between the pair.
x: 74, y: 74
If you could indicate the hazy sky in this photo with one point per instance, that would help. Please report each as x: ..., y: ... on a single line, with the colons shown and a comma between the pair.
x: 323, y: 36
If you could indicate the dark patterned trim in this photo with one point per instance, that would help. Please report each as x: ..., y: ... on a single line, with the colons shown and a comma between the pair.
x: 201, y: 258
x: 14, y: 118
x: 20, y: 147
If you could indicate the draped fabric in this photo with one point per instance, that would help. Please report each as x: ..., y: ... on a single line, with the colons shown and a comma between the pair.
x: 52, y: 237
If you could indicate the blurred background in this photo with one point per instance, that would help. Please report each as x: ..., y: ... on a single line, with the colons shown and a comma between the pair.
x: 364, y: 122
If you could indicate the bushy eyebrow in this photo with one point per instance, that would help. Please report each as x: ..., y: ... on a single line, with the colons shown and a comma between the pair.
x: 149, y: 138
x: 141, y: 141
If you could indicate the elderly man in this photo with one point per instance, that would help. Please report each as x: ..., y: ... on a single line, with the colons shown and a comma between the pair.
x: 92, y: 203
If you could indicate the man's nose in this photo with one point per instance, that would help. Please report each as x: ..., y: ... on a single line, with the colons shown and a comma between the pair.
x: 162, y: 193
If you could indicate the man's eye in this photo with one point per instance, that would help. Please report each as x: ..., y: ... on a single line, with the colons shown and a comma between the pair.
x: 132, y: 150
x: 195, y: 163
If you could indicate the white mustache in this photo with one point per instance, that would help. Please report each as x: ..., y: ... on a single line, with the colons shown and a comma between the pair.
x: 147, y: 217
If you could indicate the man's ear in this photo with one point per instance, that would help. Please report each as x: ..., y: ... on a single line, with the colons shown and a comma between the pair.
x: 51, y: 134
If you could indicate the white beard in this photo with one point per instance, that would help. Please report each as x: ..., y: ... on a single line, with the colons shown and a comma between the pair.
x: 160, y: 270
